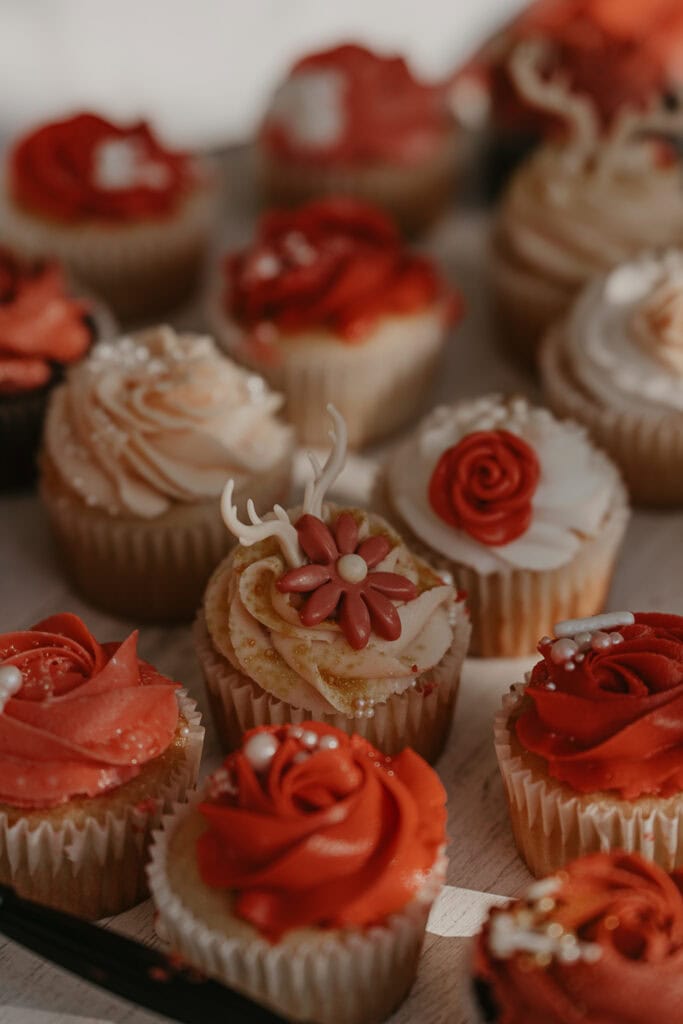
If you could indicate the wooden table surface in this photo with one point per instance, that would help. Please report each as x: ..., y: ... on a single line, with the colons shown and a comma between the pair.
x: 483, y: 864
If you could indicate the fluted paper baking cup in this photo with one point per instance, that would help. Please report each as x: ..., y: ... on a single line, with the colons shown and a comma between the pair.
x: 554, y: 824
x: 349, y: 976
x: 420, y: 717
x: 647, y: 449
x: 93, y: 864
x: 152, y: 570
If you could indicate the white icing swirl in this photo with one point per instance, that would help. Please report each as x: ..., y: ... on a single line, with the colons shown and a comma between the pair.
x: 309, y: 106
x: 575, y: 492
x: 158, y: 418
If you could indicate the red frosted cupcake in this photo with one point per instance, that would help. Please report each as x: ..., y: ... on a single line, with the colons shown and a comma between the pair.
x: 95, y: 745
x: 348, y: 120
x: 329, y: 306
x: 126, y: 216
x: 305, y: 876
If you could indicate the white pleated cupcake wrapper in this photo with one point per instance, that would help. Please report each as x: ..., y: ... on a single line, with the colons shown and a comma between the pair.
x: 566, y: 826
x: 375, y: 386
x: 410, y: 719
x: 649, y: 450
x: 95, y: 866
x: 337, y: 977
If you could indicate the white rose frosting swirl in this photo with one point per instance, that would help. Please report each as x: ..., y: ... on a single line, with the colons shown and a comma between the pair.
x: 157, y: 418
x: 575, y: 493
x: 259, y: 631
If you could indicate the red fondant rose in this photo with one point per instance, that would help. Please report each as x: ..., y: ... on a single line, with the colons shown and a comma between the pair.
x: 615, y: 721
x: 311, y: 827
x: 86, y: 168
x: 628, y: 908
x: 484, y: 485
x: 84, y: 718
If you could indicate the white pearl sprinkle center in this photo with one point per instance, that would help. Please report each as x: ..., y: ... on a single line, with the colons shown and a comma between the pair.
x: 352, y: 568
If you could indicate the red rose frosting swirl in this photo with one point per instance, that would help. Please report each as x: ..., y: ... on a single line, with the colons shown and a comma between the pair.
x: 87, y: 169
x: 77, y: 718
x: 311, y: 827
x: 612, y: 720
x: 334, y: 264
x: 484, y: 485
x: 40, y: 324
x: 601, y: 941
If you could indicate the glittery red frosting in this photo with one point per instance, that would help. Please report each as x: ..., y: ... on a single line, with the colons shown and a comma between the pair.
x: 40, y: 324
x: 387, y: 114
x: 633, y: 911
x: 616, y: 721
x: 334, y: 264
x: 87, y: 717
x: 321, y: 837
x: 53, y: 172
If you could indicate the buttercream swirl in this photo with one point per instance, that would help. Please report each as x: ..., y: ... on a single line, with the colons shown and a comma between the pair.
x: 615, y: 722
x: 41, y: 325
x: 313, y: 828
x: 625, y: 912
x: 85, y: 718
x: 576, y: 487
x: 258, y: 629
x: 87, y: 169
x: 157, y: 418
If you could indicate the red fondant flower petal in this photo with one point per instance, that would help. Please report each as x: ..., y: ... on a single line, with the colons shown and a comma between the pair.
x: 316, y: 539
x: 385, y: 619
x: 393, y: 585
x: 307, y: 577
x: 374, y: 550
x: 354, y: 619
x: 346, y: 533
x: 321, y: 604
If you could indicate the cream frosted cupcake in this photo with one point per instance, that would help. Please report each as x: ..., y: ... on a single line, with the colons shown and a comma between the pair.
x: 325, y: 613
x: 519, y: 508
x: 579, y: 206
x: 615, y: 363
x: 95, y: 745
x: 591, y: 748
x: 128, y: 217
x: 305, y: 875
x: 330, y: 306
x: 138, y: 443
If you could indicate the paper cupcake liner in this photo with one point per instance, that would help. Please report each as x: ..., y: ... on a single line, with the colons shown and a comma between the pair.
x: 351, y: 976
x: 150, y: 570
x: 420, y: 717
x: 377, y: 385
x: 647, y: 449
x: 553, y: 824
x: 95, y: 866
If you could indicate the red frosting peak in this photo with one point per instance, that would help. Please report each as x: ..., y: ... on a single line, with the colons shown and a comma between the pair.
x: 615, y: 721
x: 311, y: 827
x: 86, y: 168
x: 86, y: 717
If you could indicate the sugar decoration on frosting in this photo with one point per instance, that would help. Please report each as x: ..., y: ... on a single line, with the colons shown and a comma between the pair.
x: 575, y: 637
x: 11, y: 681
x: 123, y: 164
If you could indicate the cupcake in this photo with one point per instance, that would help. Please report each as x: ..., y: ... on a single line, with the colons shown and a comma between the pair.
x: 323, y: 612
x: 579, y: 206
x: 138, y: 443
x: 351, y: 121
x: 600, y: 941
x: 591, y: 748
x: 305, y: 874
x: 43, y: 329
x: 329, y: 305
x: 518, y: 508
x: 127, y: 217
x: 95, y: 745
x: 615, y: 363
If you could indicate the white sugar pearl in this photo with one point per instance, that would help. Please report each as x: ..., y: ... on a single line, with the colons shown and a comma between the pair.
x: 310, y: 738
x: 260, y: 750
x: 616, y: 638
x: 600, y: 641
x: 352, y: 568
x: 329, y: 742
x: 583, y: 640
x: 11, y: 680
x: 563, y: 650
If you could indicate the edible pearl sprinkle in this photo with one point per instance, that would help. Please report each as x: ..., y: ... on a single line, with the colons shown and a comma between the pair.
x: 576, y: 636
x: 11, y: 681
x: 260, y: 750
x: 352, y: 568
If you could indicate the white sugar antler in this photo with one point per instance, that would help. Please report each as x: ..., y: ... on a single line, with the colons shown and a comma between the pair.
x: 656, y: 119
x: 259, y: 529
x: 325, y: 476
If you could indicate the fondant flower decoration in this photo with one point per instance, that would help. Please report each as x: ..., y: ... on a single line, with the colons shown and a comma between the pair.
x: 485, y: 484
x: 341, y: 580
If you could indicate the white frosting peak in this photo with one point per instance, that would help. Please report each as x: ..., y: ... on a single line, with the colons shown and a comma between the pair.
x: 309, y: 106
x: 122, y: 164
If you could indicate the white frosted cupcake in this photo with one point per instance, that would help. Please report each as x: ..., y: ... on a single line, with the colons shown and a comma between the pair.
x: 138, y: 443
x: 325, y: 613
x: 522, y: 511
x: 615, y: 363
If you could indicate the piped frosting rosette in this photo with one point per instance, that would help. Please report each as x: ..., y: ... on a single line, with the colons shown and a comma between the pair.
x: 591, y: 748
x: 95, y: 745
x: 616, y: 364
x: 325, y: 613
